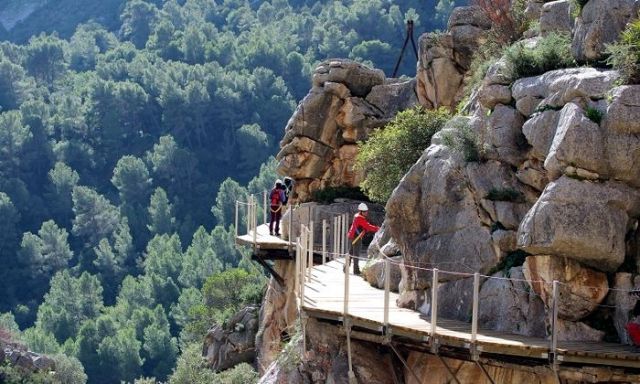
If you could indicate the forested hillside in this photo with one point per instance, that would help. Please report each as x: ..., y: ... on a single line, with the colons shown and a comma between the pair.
x: 117, y: 144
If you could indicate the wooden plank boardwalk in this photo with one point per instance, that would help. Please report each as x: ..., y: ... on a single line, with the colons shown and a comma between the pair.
x: 324, y: 298
x: 263, y: 240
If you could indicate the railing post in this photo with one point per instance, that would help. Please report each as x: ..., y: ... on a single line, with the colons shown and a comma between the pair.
x: 255, y: 221
x: 264, y: 206
x: 474, y: 313
x: 554, y: 321
x: 237, y: 209
x: 347, y: 260
x: 336, y: 251
x: 290, y: 225
x: 298, y: 267
x: 387, y: 286
x: 434, y: 310
x: 324, y: 241
x: 310, y: 264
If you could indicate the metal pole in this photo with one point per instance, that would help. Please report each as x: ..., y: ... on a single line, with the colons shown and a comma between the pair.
x: 474, y: 314
x: 298, y: 267
x: 344, y: 234
x: 434, y: 306
x: 387, y: 285
x: 335, y: 239
x: 554, y: 320
x: 347, y: 260
x: 324, y: 241
x: 310, y: 264
x: 264, y: 206
x: 237, y: 209
x: 255, y: 221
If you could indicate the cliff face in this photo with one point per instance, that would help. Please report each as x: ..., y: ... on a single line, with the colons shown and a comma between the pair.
x: 555, y: 194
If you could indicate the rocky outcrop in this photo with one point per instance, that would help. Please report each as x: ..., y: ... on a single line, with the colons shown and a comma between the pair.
x: 19, y: 356
x: 445, y: 58
x: 556, y: 17
x: 347, y: 101
x: 234, y: 342
x: 599, y: 24
x: 511, y: 306
x: 374, y: 273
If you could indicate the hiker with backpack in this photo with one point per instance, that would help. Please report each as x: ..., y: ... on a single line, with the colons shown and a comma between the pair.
x: 277, y: 198
x: 359, y: 227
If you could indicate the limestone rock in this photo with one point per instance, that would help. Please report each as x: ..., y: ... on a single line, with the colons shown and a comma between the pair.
x: 357, y: 77
x: 432, y: 215
x: 533, y: 9
x: 509, y: 306
x: 577, y: 142
x: 577, y: 331
x: 504, y: 134
x: 533, y: 174
x: 490, y: 95
x: 234, y: 343
x: 278, y: 314
x: 580, y: 291
x: 391, y: 97
x: 499, y: 73
x: 624, y: 109
x: 556, y: 17
x: 600, y: 23
x: 581, y: 220
x: 444, y: 59
x: 540, y: 131
x: 374, y: 273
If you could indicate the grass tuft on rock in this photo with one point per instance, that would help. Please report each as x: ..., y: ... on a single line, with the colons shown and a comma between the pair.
x: 504, y: 194
x: 550, y: 52
x: 624, y: 55
x: 594, y: 114
x: 462, y: 139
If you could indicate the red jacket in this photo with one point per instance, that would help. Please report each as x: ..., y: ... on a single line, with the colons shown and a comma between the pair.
x: 634, y: 332
x: 360, y: 224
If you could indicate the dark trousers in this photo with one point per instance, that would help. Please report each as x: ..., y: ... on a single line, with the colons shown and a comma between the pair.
x: 355, y: 250
x: 275, y: 218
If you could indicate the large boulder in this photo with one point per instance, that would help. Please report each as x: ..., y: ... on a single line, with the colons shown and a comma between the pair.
x: 623, y: 302
x: 577, y: 331
x: 445, y: 58
x: 509, y: 306
x: 233, y: 343
x: 347, y: 102
x: 374, y: 273
x: 580, y: 289
x: 556, y: 17
x: 577, y: 142
x: 585, y: 221
x: 599, y: 24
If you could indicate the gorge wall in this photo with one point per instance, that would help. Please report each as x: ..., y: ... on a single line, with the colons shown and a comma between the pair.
x: 554, y: 195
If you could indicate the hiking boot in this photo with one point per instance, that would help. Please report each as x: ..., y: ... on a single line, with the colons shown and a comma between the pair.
x: 356, y: 272
x: 278, y: 234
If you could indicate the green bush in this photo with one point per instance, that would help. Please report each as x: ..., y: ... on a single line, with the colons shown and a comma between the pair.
x: 594, y: 115
x: 504, y: 194
x: 242, y: 373
x: 551, y: 52
x: 462, y: 139
x: 391, y: 151
x: 624, y: 55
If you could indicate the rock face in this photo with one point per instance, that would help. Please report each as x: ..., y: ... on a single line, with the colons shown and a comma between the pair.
x: 444, y: 59
x: 19, y: 356
x: 600, y: 23
x: 556, y: 17
x: 234, y: 343
x: 347, y: 101
x: 580, y: 289
x: 374, y: 273
x: 510, y: 306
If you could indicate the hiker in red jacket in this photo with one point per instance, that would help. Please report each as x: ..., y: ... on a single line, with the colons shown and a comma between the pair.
x: 359, y: 228
x: 277, y: 198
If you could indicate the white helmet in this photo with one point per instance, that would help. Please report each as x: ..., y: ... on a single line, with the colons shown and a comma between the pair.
x: 278, y: 182
x: 363, y: 207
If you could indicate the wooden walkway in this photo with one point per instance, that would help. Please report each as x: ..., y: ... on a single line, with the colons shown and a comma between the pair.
x: 324, y: 298
x: 263, y: 240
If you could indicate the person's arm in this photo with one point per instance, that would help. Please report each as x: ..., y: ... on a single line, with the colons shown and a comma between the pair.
x: 282, y: 197
x: 366, y: 226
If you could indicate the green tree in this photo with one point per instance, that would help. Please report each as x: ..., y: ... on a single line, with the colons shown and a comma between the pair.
x: 44, y: 58
x: 8, y: 230
x: 131, y: 178
x: 69, y: 302
x: 199, y: 261
x: 14, y: 85
x: 48, y: 251
x: 230, y: 192
x: 191, y: 368
x: 95, y: 217
x: 40, y: 341
x: 63, y: 179
x: 69, y: 370
x: 121, y: 352
x: 163, y: 256
x: 390, y: 152
x: 137, y: 18
x: 160, y: 350
x: 14, y: 135
x: 161, y: 220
